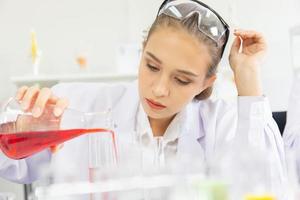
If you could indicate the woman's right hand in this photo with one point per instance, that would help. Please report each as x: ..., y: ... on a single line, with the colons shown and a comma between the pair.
x: 35, y: 99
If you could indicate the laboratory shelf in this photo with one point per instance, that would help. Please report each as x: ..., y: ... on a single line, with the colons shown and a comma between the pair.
x: 50, y: 80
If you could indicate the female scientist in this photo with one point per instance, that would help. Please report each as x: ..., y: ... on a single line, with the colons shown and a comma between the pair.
x: 176, y: 74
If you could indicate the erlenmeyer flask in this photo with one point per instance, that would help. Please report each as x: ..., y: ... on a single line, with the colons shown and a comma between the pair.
x: 22, y: 135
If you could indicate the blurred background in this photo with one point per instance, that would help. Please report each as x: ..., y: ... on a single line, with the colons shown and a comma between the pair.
x: 101, y: 40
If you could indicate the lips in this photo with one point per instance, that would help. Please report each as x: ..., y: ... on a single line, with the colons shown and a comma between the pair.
x: 155, y: 105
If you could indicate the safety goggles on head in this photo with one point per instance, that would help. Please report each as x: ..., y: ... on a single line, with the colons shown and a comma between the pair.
x: 210, y: 22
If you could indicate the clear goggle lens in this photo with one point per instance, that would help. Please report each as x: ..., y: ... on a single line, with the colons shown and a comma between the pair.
x: 208, y: 22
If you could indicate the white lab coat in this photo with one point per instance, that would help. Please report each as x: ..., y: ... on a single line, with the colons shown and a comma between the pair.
x: 291, y: 135
x: 210, y: 126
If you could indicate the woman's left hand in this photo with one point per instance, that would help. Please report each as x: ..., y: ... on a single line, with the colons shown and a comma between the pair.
x: 246, y: 55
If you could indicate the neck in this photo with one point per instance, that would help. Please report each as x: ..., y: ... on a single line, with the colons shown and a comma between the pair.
x: 159, y: 126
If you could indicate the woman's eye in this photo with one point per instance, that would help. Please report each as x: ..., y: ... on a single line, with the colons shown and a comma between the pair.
x: 181, y: 82
x: 152, y: 68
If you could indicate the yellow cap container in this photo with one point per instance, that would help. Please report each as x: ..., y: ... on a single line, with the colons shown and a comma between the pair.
x: 260, y: 197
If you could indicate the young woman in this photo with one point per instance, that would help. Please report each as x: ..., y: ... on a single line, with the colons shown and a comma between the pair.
x: 170, y: 99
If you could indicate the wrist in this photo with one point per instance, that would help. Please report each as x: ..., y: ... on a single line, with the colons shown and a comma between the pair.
x: 248, y: 82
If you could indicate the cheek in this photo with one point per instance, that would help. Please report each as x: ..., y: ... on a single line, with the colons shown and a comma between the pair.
x: 183, y: 96
x: 144, y: 79
x: 142, y: 76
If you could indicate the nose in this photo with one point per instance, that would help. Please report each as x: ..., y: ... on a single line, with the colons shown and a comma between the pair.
x: 161, y: 88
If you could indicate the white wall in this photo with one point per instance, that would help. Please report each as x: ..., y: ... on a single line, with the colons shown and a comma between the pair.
x: 63, y: 25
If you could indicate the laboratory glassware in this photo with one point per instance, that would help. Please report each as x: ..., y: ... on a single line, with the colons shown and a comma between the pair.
x: 22, y: 135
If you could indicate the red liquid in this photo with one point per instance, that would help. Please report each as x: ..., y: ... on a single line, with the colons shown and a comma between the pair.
x: 23, y: 144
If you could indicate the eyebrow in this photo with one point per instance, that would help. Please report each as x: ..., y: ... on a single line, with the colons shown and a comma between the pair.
x: 187, y: 73
x: 179, y: 70
x: 154, y: 57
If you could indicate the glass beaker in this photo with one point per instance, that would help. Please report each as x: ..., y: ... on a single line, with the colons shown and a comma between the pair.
x: 22, y: 135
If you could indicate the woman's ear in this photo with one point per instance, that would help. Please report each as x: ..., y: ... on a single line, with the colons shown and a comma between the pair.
x: 210, y: 81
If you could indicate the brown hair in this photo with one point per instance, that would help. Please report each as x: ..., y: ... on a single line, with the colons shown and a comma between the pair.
x: 191, y: 26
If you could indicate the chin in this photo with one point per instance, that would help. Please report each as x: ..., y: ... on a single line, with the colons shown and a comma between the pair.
x: 154, y: 115
x: 151, y: 113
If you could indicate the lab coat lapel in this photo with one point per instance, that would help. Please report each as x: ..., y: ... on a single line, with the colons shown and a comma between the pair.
x: 190, y: 142
x: 125, y: 111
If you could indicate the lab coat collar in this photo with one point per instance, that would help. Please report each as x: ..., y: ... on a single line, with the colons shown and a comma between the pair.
x: 171, y: 134
x: 143, y: 127
x: 190, y: 143
x: 193, y: 121
x: 128, y: 104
